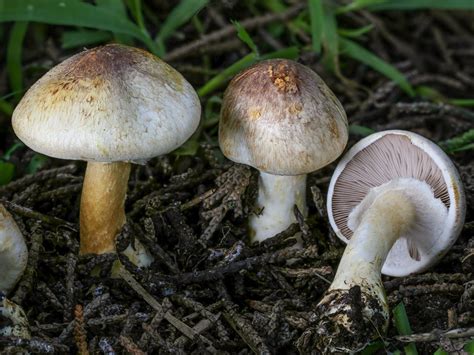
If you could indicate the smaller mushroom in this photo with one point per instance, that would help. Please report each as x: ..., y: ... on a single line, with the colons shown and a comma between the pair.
x: 13, y: 320
x: 397, y: 200
x: 13, y: 251
x: 281, y: 118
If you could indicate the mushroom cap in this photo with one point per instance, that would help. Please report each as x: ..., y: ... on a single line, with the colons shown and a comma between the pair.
x: 110, y: 103
x: 279, y: 117
x: 401, y: 160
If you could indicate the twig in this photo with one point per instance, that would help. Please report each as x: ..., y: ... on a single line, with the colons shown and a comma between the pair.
x: 428, y: 108
x: 40, y: 176
x: 245, y: 330
x: 88, y: 310
x: 71, y: 262
x: 309, y: 272
x: 248, y: 24
x: 154, y: 323
x: 182, y: 327
x: 436, y: 335
x: 249, y: 263
x: 59, y: 192
x: 29, y: 213
x: 197, y: 200
x: 34, y: 345
x: 26, y: 282
x: 427, y: 278
x: 130, y: 346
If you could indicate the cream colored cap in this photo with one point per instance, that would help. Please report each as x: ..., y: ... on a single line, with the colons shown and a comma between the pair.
x: 281, y: 118
x: 110, y: 103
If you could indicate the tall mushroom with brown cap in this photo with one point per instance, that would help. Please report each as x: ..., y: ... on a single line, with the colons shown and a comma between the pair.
x: 110, y: 106
x: 279, y: 117
x: 397, y: 200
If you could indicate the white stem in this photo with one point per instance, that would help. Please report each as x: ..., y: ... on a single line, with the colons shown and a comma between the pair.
x: 277, y: 195
x: 13, y: 251
x: 381, y: 225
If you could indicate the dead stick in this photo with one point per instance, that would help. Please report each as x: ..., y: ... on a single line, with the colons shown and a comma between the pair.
x: 230, y: 29
x: 437, y: 335
x: 29, y: 213
x: 138, y: 288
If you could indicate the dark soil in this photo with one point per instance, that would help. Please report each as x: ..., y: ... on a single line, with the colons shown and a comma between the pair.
x: 208, y: 290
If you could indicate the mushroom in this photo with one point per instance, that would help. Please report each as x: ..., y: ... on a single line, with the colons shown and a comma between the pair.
x: 279, y: 117
x: 13, y: 320
x: 13, y: 251
x: 397, y: 200
x: 110, y: 106
x: 13, y: 260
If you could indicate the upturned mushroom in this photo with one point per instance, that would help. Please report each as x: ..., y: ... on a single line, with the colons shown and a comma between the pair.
x: 109, y: 106
x: 13, y: 251
x: 397, y: 200
x: 279, y: 117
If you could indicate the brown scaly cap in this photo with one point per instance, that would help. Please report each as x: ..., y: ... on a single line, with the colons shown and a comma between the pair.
x: 280, y: 117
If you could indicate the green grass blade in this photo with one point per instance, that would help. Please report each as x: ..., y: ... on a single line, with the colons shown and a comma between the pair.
x: 227, y: 73
x: 181, y: 14
x: 324, y: 32
x: 7, y: 171
x: 464, y: 141
x: 12, y: 149
x: 274, y: 5
x: 361, y: 54
x: 358, y: 5
x: 403, y: 326
x: 6, y: 107
x: 14, y: 51
x: 469, y: 347
x: 316, y: 15
x: 249, y: 59
x: 440, y: 351
x: 72, y: 13
x: 36, y: 163
x: 121, y: 10
x: 330, y: 39
x: 135, y: 7
x: 113, y: 5
x: 356, y: 32
x: 81, y: 38
x: 372, y: 348
x: 462, y: 102
x: 245, y: 37
x: 360, y: 130
x: 423, y: 4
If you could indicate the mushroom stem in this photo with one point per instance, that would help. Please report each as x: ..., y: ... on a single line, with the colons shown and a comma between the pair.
x: 381, y: 225
x: 102, y: 206
x: 354, y: 310
x: 277, y: 195
x: 13, y: 251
